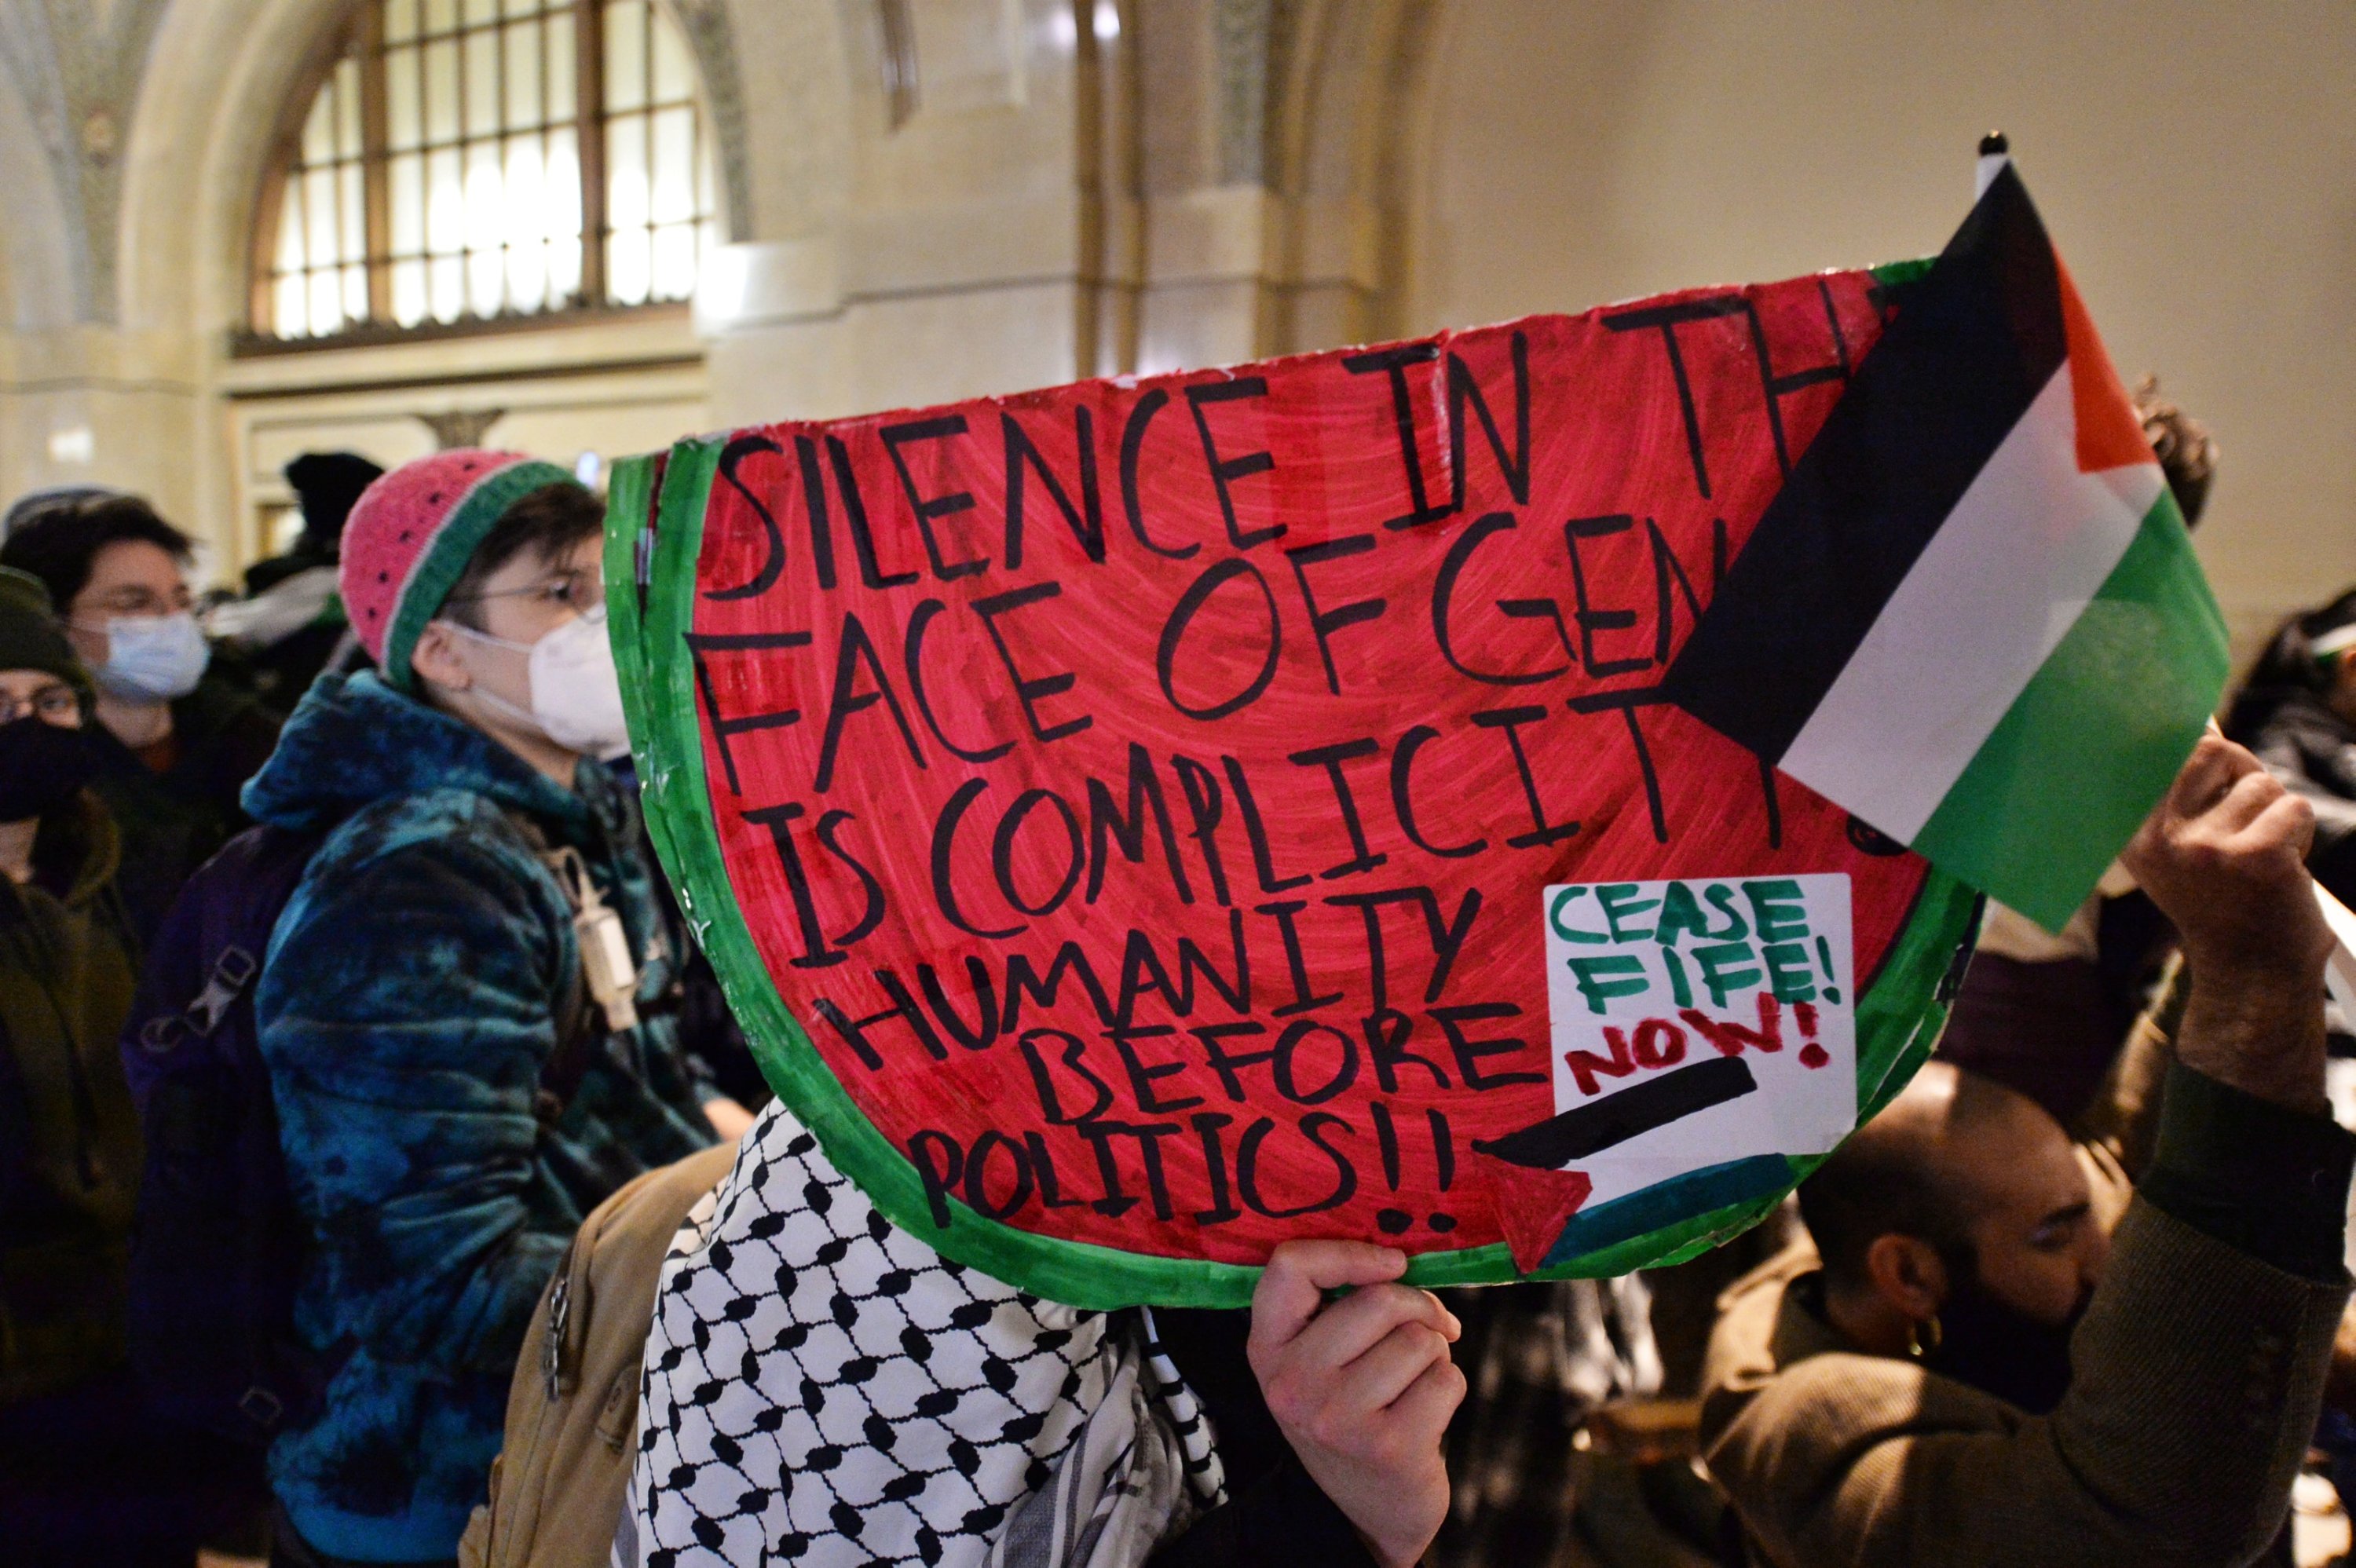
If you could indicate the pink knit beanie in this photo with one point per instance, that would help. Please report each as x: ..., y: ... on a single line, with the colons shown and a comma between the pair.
x: 412, y: 534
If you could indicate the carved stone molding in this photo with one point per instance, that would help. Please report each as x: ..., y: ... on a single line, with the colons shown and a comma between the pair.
x: 461, y: 426
x: 710, y: 33
x: 1241, y: 31
x: 77, y: 65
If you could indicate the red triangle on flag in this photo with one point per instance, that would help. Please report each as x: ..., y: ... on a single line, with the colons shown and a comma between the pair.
x: 1533, y: 1205
x: 2110, y: 434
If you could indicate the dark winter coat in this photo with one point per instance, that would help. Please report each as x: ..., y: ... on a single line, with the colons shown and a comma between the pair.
x: 172, y: 822
x: 69, y: 1136
x: 408, y: 1001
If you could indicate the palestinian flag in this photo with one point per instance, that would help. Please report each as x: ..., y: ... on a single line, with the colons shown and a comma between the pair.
x: 1972, y: 616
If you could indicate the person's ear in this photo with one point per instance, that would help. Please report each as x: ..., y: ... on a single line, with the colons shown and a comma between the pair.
x: 434, y: 657
x: 1908, y: 1273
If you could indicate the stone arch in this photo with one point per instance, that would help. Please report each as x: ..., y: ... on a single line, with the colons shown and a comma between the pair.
x: 211, y: 106
x: 712, y: 34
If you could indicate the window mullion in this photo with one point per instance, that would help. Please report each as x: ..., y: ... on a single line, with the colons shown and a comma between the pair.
x: 589, y: 104
x: 375, y: 156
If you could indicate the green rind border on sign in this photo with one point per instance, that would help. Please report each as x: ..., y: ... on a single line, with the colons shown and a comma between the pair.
x: 1899, y: 1018
x: 1895, y: 274
x: 629, y: 502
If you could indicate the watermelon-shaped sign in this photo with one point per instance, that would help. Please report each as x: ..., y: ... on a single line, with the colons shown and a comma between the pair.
x: 1143, y: 821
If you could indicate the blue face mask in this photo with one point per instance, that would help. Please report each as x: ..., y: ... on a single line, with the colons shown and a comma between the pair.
x: 152, y: 658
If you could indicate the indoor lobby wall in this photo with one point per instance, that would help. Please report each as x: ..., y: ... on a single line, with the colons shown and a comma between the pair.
x: 933, y: 198
x: 2196, y: 163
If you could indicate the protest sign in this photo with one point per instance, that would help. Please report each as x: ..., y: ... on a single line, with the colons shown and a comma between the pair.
x: 1145, y: 820
x: 1726, y: 1003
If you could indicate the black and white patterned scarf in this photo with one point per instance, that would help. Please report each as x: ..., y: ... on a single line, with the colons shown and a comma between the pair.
x: 824, y: 1388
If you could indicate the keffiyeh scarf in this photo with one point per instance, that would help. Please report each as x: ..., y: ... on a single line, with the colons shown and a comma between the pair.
x: 823, y: 1388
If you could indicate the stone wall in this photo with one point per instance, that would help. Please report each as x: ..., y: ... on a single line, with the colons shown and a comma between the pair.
x: 929, y: 198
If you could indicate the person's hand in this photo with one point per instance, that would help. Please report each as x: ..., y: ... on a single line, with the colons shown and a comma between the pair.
x: 1362, y: 1387
x: 2224, y: 856
x: 730, y: 1119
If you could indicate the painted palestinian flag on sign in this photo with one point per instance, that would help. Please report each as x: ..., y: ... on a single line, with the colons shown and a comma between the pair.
x: 1142, y: 821
x: 1973, y: 615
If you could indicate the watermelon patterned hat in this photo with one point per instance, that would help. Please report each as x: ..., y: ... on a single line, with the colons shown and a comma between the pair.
x: 411, y: 536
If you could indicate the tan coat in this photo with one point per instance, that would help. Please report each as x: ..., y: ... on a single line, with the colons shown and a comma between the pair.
x: 2199, y: 1371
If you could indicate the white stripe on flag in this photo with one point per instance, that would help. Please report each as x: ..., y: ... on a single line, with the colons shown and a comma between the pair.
x: 1999, y: 584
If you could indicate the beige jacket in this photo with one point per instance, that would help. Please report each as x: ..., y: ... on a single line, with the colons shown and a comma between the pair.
x: 2199, y: 1371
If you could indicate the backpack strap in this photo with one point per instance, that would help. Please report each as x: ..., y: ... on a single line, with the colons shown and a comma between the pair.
x: 269, y: 864
x: 582, y: 1025
x: 233, y: 970
x: 580, y: 1032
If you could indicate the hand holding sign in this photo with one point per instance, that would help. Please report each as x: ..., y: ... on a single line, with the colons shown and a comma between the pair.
x: 1363, y: 1387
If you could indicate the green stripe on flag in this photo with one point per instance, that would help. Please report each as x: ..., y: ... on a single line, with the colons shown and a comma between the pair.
x: 2094, y: 739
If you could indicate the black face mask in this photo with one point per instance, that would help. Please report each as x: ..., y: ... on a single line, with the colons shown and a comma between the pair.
x: 41, y: 767
x: 2001, y: 1350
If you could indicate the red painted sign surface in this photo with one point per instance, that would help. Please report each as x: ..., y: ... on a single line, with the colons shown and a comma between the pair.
x: 1143, y: 792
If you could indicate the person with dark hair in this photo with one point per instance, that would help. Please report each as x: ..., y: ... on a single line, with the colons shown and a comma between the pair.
x: 2298, y: 711
x: 1965, y: 1180
x: 176, y: 744
x: 1972, y: 1365
x: 290, y: 623
x: 80, y: 1481
x: 327, y: 484
x: 33, y: 502
x: 89, y: 1477
x: 461, y: 1006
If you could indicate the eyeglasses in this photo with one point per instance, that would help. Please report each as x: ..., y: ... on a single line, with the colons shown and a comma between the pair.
x: 131, y: 602
x: 52, y: 704
x: 581, y: 592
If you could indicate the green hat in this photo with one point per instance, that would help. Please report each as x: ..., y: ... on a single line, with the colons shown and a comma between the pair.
x: 30, y: 637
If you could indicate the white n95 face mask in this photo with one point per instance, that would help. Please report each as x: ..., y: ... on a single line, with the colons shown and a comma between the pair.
x: 576, y: 696
x: 152, y: 658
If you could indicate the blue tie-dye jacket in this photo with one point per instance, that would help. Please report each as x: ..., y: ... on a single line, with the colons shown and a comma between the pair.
x: 406, y: 1008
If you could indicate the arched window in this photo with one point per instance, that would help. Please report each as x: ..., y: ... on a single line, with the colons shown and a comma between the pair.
x: 486, y: 159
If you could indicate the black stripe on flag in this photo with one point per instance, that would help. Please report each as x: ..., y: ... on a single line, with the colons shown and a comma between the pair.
x: 1973, y: 343
x: 1597, y: 1126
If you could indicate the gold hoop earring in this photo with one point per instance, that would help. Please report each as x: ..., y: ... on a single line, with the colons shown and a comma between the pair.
x: 1923, y: 1337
